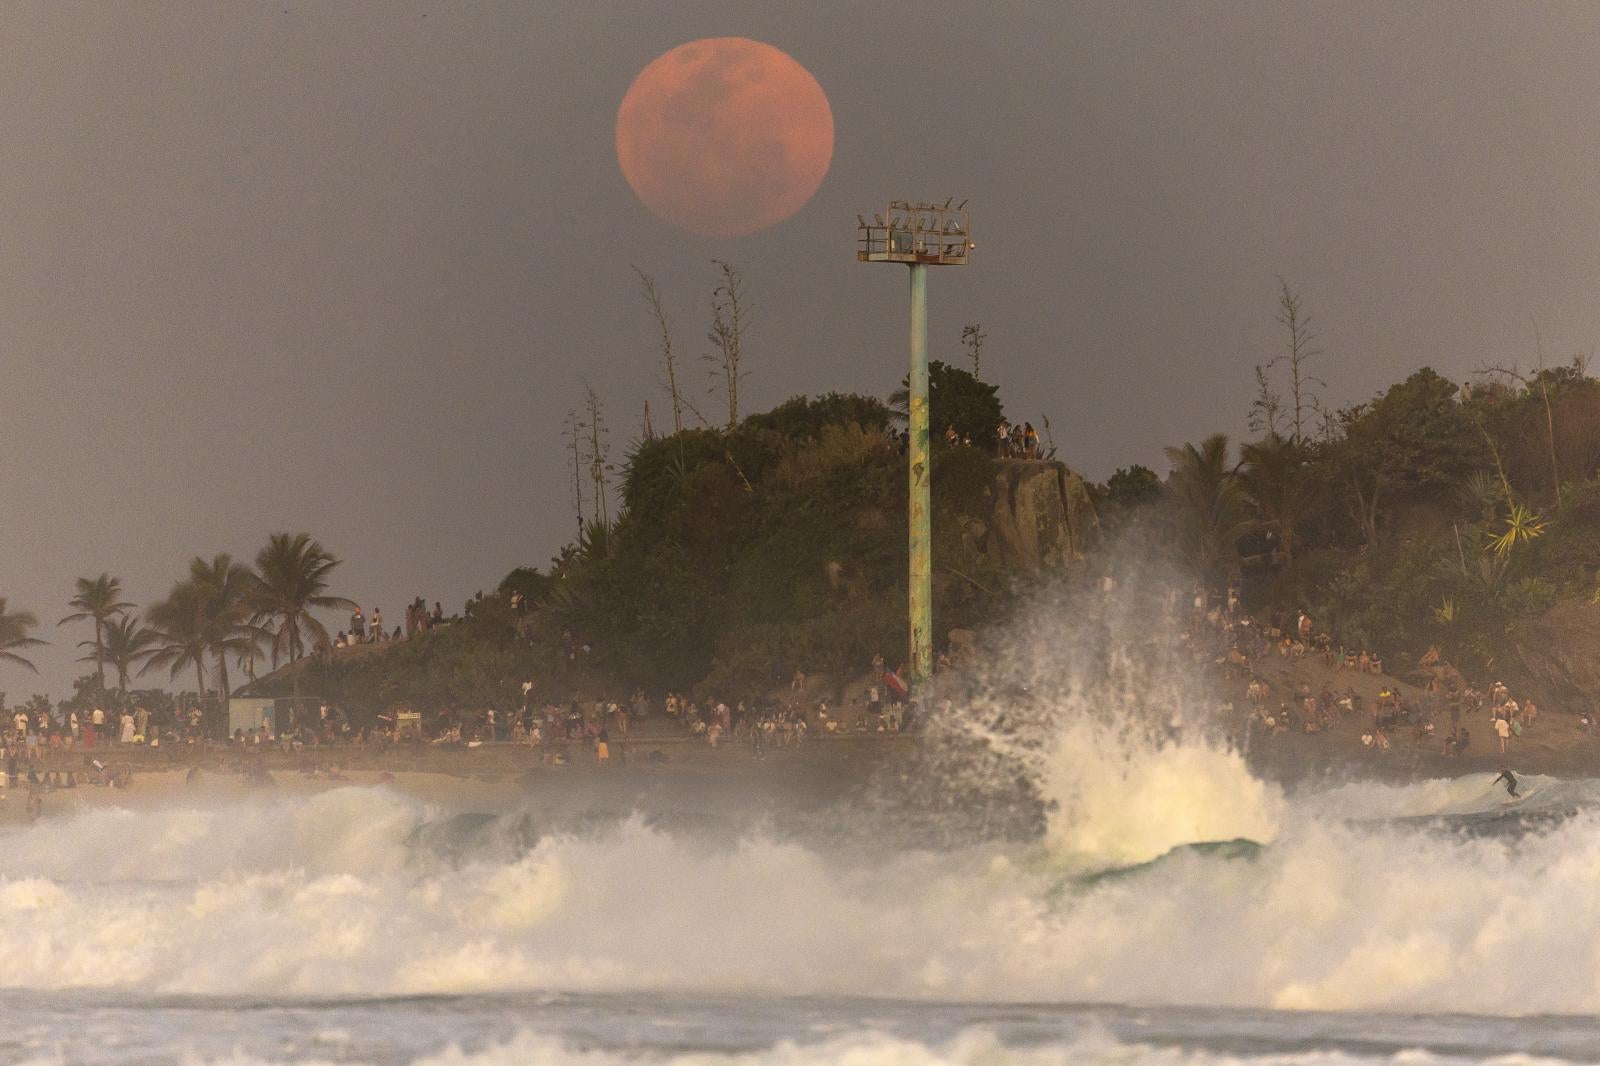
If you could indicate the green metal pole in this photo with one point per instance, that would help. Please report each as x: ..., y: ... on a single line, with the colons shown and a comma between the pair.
x: 921, y: 532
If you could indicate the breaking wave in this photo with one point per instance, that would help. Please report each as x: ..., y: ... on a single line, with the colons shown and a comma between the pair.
x: 328, y: 896
x: 975, y: 1047
x: 1162, y: 873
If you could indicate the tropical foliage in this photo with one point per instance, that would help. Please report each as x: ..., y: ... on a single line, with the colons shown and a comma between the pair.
x: 1426, y: 516
x: 16, y: 635
x: 98, y: 599
x: 738, y: 556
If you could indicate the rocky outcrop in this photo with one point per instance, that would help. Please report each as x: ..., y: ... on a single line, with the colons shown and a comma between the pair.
x: 1042, y: 517
x: 1561, y: 652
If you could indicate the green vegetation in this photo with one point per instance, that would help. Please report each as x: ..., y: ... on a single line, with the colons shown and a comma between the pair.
x: 1431, y: 515
x: 1427, y: 515
x: 98, y: 600
x: 16, y: 634
x: 738, y: 556
x: 222, y: 612
x: 742, y: 555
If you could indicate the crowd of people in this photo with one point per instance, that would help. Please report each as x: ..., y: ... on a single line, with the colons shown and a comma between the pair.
x: 33, y: 733
x: 1011, y: 440
x: 603, y: 726
x: 1239, y: 643
x: 371, y: 630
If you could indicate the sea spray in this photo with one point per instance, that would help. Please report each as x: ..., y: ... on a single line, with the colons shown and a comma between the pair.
x: 1333, y: 914
x: 1095, y: 707
x: 1096, y: 726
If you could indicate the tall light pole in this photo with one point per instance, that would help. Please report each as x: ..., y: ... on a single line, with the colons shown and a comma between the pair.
x: 920, y: 235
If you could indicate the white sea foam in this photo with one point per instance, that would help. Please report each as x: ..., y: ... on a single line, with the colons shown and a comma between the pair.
x: 1333, y: 914
x: 973, y: 1047
x: 1117, y: 802
x: 1349, y: 903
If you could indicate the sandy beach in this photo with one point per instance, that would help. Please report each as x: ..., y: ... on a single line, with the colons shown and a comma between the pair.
x: 663, y: 773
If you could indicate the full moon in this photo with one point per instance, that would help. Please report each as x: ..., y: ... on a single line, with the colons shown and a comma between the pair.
x: 724, y: 136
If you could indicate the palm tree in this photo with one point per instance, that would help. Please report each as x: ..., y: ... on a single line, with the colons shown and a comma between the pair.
x: 228, y: 590
x: 1274, y: 481
x: 14, y: 634
x: 293, y: 572
x: 180, y: 624
x: 1208, y: 503
x: 128, y: 642
x: 98, y: 598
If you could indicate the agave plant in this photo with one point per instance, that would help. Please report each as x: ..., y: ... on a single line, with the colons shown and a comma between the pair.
x: 1522, y: 525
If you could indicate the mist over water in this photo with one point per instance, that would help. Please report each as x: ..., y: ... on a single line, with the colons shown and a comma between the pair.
x: 1101, y: 843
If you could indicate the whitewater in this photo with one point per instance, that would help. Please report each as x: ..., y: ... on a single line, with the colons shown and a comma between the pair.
x: 1166, y: 906
x: 334, y: 927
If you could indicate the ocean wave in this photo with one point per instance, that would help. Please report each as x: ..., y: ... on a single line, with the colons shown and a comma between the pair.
x: 325, y: 896
x: 973, y: 1047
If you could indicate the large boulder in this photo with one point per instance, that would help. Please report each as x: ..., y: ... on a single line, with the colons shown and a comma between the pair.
x: 1042, y: 517
x: 1561, y: 652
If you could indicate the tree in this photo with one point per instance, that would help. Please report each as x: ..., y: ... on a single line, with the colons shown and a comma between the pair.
x: 1127, y: 498
x: 128, y: 643
x: 572, y: 435
x: 229, y: 591
x: 653, y: 299
x: 955, y: 398
x: 1133, y: 487
x: 16, y: 633
x: 1301, y: 351
x: 1266, y: 410
x: 973, y: 337
x: 1208, y: 504
x: 98, y: 598
x: 1413, y: 440
x: 599, y: 456
x: 527, y: 585
x: 1275, y: 480
x: 1541, y: 380
x: 729, y: 313
x: 293, y: 572
x: 179, y: 621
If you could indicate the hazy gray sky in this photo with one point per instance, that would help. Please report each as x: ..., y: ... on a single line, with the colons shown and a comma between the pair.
x: 340, y: 266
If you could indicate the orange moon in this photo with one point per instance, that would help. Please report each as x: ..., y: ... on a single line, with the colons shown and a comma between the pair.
x: 724, y: 136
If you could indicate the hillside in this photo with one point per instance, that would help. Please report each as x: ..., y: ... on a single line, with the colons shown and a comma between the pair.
x: 1433, y: 516
x: 743, y: 555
